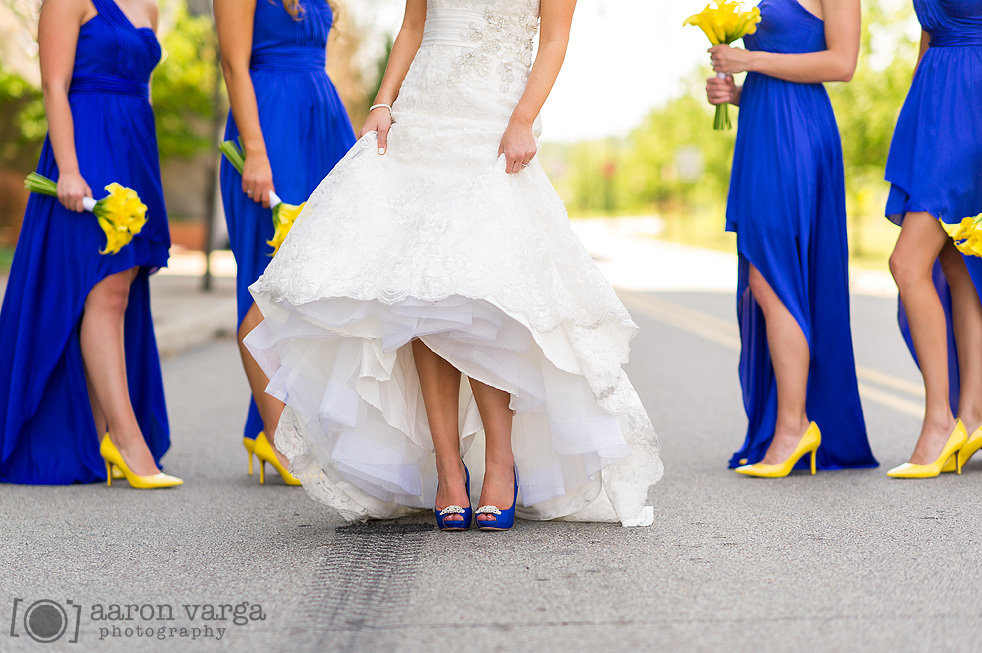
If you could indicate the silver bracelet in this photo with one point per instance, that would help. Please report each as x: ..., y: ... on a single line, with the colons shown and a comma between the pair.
x: 380, y: 106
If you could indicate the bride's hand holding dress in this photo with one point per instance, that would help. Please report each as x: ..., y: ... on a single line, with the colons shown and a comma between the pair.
x: 378, y: 121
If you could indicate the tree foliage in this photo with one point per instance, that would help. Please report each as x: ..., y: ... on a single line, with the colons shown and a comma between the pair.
x: 867, y: 107
x: 184, y: 86
x: 22, y: 123
x: 673, y: 163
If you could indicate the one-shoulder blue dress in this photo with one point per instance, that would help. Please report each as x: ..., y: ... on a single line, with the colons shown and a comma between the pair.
x: 306, y: 129
x: 787, y: 207
x: 935, y: 163
x: 48, y: 434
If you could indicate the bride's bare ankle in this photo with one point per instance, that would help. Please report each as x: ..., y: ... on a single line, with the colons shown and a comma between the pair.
x: 499, y: 464
x: 450, y: 471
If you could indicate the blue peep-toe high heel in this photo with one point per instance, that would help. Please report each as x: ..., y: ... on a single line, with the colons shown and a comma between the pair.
x: 453, y: 524
x: 503, y: 519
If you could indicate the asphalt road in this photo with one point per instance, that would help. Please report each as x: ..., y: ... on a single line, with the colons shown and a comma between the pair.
x: 842, y: 561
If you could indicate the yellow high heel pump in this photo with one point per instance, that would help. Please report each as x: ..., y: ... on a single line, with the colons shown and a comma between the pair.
x: 250, y: 445
x: 809, y: 444
x: 956, y: 441
x: 117, y: 473
x: 266, y: 454
x: 114, y: 460
x: 965, y: 453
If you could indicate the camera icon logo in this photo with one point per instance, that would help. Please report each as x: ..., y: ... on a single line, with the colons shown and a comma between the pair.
x: 45, y: 620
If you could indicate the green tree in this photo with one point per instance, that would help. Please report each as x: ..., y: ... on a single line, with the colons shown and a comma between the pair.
x: 672, y: 162
x: 866, y: 109
x: 22, y: 123
x: 183, y: 86
x: 675, y: 166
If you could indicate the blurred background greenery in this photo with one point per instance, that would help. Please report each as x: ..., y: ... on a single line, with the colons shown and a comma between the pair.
x: 672, y: 165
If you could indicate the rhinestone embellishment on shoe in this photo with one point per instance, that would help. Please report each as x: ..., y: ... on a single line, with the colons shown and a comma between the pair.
x: 452, y: 510
x: 488, y: 510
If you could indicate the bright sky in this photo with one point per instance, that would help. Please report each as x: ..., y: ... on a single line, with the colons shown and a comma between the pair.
x: 625, y: 57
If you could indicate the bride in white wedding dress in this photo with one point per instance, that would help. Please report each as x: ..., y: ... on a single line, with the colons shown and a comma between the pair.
x: 431, y: 301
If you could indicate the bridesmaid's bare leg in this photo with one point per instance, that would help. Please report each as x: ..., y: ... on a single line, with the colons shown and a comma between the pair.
x: 440, y: 385
x: 790, y: 358
x: 967, y: 323
x: 499, y: 479
x: 912, y: 262
x: 270, y: 408
x: 98, y: 415
x: 103, y: 353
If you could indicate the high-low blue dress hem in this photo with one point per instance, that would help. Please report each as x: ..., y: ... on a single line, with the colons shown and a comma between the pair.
x: 787, y: 207
x: 48, y: 434
x: 935, y: 162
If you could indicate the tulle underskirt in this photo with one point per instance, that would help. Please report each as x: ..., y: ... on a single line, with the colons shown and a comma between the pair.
x: 355, y: 426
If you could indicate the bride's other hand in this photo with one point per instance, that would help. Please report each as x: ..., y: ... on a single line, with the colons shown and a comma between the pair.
x: 379, y: 120
x: 729, y: 60
x: 518, y: 145
x: 722, y: 90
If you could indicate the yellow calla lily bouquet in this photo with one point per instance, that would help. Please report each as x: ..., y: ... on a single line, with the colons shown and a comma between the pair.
x: 121, y: 213
x: 284, y: 215
x: 725, y: 22
x: 967, y: 235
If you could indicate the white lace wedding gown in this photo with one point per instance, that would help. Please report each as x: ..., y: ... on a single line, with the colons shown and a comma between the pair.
x: 435, y: 241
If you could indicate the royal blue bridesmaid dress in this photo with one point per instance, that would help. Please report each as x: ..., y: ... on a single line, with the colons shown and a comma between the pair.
x: 306, y: 129
x: 787, y: 207
x: 935, y: 163
x: 48, y: 434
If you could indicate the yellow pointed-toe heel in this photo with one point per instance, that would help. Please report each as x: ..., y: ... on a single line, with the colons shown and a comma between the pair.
x: 969, y: 449
x: 114, y: 460
x: 965, y: 453
x: 266, y: 454
x: 116, y: 472
x: 809, y: 444
x: 250, y: 445
x: 952, y: 449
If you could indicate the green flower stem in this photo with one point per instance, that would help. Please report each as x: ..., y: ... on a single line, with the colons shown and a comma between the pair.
x: 722, y: 120
x: 39, y: 184
x: 233, y: 153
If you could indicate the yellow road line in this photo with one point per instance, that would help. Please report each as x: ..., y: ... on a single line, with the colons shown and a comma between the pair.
x: 891, y: 381
x: 726, y: 334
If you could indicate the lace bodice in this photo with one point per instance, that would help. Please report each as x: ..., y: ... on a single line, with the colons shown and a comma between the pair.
x: 474, y: 60
x: 497, y: 37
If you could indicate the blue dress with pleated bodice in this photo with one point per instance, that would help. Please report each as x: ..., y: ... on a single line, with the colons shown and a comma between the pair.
x: 48, y: 434
x: 787, y: 207
x: 935, y: 163
x: 305, y: 127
